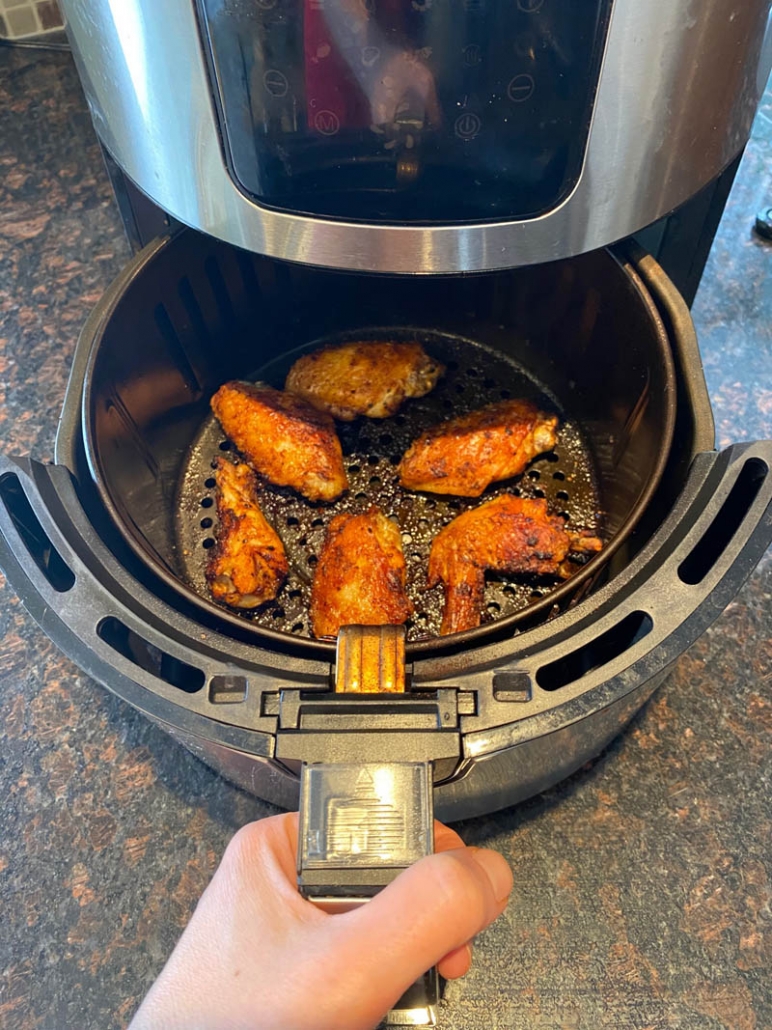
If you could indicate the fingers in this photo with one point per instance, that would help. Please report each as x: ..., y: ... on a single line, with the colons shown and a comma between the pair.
x: 427, y: 914
x: 457, y: 963
x: 445, y: 839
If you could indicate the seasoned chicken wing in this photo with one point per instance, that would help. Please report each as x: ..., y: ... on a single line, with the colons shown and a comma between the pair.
x: 360, y: 578
x: 284, y: 438
x: 369, y: 378
x: 465, y: 455
x: 507, y: 534
x: 247, y: 565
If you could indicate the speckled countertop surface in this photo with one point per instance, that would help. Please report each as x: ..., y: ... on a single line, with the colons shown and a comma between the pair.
x: 643, y: 893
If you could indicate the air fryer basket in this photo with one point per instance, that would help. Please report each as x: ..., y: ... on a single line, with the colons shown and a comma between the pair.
x: 580, y: 336
x: 499, y: 720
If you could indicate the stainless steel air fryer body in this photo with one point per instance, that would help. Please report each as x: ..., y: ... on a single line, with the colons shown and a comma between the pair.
x: 421, y: 137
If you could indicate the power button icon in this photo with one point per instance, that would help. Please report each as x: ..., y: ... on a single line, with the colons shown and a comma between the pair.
x: 467, y: 125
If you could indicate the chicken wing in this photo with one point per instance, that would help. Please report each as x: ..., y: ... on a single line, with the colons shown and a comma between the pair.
x: 248, y: 565
x: 507, y: 534
x: 369, y: 378
x: 284, y: 438
x: 360, y: 578
x: 465, y: 455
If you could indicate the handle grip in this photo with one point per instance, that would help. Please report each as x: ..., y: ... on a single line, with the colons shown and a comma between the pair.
x: 360, y: 825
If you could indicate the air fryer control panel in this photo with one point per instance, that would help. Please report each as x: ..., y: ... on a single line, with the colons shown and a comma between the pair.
x: 405, y: 110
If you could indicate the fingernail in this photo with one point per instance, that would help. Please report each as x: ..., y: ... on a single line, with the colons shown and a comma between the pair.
x: 497, y: 871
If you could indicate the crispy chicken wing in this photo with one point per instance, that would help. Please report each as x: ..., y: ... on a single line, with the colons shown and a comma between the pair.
x: 248, y: 565
x: 465, y: 455
x: 284, y: 438
x: 369, y: 378
x: 508, y: 534
x: 360, y: 578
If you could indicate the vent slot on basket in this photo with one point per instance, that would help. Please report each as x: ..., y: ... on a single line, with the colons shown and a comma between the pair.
x: 228, y: 689
x: 707, y: 551
x: 147, y: 656
x: 596, y: 653
x: 35, y: 538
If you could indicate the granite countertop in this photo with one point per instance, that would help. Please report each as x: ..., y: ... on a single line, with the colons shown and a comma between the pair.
x: 642, y: 897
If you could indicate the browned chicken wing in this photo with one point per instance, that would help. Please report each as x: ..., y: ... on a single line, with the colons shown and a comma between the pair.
x: 465, y: 455
x: 507, y: 534
x: 369, y: 378
x: 248, y: 565
x: 284, y: 438
x: 360, y: 578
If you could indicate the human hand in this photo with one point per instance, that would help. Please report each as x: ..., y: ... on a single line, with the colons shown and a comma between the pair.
x: 257, y: 954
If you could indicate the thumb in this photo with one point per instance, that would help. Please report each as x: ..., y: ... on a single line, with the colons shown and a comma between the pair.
x: 433, y: 907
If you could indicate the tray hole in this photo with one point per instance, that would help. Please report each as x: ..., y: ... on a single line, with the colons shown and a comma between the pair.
x: 278, y: 613
x: 373, y: 459
x: 564, y: 515
x: 539, y: 493
x: 560, y: 476
x: 534, y: 474
x: 316, y: 523
x: 447, y: 403
x: 295, y: 594
x: 552, y: 457
x: 472, y: 373
x: 494, y: 608
x: 147, y: 656
x: 206, y: 502
x: 312, y: 560
x: 227, y: 690
x: 562, y: 495
x: 707, y: 551
x: 210, y: 483
x: 209, y: 542
x: 297, y: 627
x: 509, y: 591
x: 460, y: 388
x: 36, y: 540
x: 360, y: 497
x: 353, y: 469
x: 597, y: 653
x: 505, y: 394
x: 400, y: 420
x: 489, y: 384
x: 385, y: 439
x: 206, y: 523
x: 225, y: 445
x: 292, y: 521
x: 375, y: 480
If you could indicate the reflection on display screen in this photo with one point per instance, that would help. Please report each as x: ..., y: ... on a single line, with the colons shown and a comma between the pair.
x: 387, y: 110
